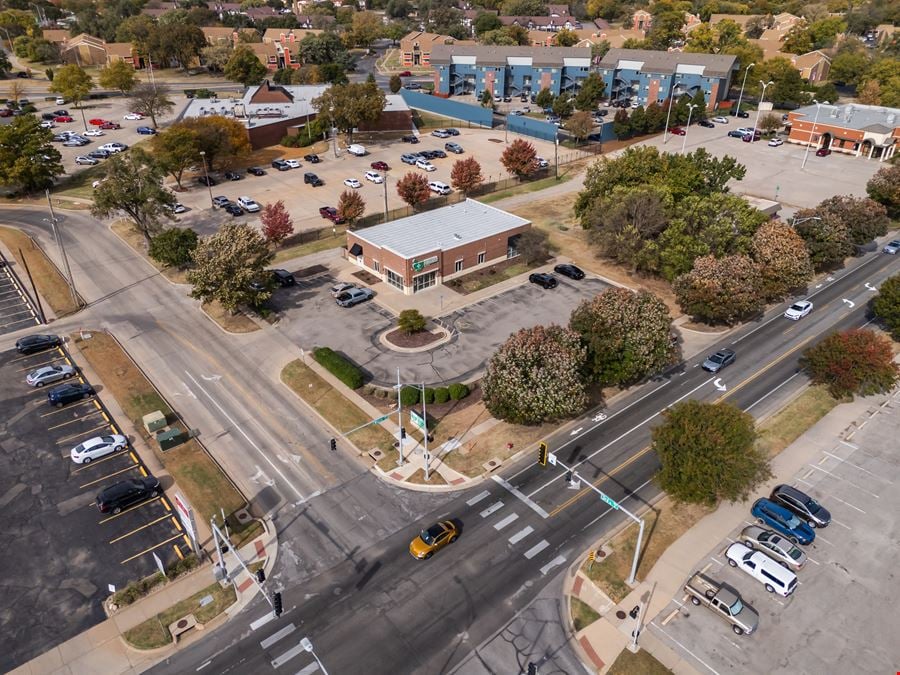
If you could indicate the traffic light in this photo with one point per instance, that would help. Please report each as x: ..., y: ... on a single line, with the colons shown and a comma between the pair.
x: 402, y: 432
x: 542, y: 454
x: 333, y: 444
x: 260, y: 575
x: 276, y: 604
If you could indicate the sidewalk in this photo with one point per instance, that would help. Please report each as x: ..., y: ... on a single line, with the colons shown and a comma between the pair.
x: 101, y: 649
x: 601, y: 642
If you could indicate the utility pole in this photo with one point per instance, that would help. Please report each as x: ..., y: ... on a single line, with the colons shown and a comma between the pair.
x: 385, y: 197
x: 425, y: 431
x: 62, y: 249
x: 399, y: 421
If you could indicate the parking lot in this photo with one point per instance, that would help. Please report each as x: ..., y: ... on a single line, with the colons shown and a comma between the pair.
x: 16, y: 310
x: 60, y: 552
x: 312, y: 319
x: 842, y: 617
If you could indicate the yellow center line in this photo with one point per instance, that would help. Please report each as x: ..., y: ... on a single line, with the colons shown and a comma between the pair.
x: 138, y: 529
x: 128, y: 510
x: 147, y: 550
x: 110, y: 475
x: 764, y: 369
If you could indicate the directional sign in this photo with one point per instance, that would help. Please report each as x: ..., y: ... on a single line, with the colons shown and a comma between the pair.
x: 416, y: 419
x: 379, y: 420
x: 608, y: 500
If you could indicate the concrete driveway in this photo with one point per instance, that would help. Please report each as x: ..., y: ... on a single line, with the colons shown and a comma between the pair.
x: 312, y: 319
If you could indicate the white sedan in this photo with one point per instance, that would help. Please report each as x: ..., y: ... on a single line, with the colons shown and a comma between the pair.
x: 92, y: 132
x: 775, y: 142
x: 425, y: 165
x: 798, y: 310
x: 352, y: 183
x: 48, y: 124
x: 293, y: 163
x: 97, y: 447
x: 134, y: 116
x: 720, y: 120
x: 47, y: 374
x: 374, y: 176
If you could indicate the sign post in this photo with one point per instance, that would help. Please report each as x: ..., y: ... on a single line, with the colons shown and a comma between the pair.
x: 186, y: 516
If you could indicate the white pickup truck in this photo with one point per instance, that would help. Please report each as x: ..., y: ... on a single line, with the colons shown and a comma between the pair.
x: 724, y: 601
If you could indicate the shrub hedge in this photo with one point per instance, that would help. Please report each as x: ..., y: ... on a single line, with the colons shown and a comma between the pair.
x: 458, y: 391
x: 409, y: 396
x: 441, y: 395
x: 337, y: 365
x: 428, y: 396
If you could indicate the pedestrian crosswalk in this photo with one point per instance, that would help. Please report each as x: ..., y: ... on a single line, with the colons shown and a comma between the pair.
x: 282, y: 649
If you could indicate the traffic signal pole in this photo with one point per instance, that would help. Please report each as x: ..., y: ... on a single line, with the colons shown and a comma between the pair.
x: 223, y: 545
x: 544, y: 456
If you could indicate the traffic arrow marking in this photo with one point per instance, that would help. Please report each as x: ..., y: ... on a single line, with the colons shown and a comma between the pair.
x: 849, y: 302
x: 719, y: 385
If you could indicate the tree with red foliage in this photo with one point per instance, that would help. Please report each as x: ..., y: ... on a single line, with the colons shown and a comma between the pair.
x: 465, y: 175
x: 855, y: 361
x: 277, y: 224
x: 351, y: 206
x: 520, y: 158
x: 413, y: 189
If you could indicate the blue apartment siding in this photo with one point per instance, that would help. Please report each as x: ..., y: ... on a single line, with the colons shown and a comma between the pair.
x: 508, y: 71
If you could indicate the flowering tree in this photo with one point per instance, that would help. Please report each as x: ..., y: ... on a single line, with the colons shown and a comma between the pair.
x: 277, y: 224
x: 720, y: 290
x: 413, y: 189
x: 853, y: 362
x: 535, y: 376
x: 520, y: 158
x: 627, y: 335
x: 782, y: 257
x: 465, y: 175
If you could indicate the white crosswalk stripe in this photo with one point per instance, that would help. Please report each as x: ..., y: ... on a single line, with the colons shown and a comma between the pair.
x: 275, y: 637
x: 537, y: 548
x: 309, y: 669
x: 521, y: 534
x: 496, y: 506
x: 279, y: 661
x: 506, y: 521
x: 477, y: 498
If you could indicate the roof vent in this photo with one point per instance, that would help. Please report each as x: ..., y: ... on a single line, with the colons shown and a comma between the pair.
x: 891, y: 118
x: 848, y: 113
x: 457, y: 237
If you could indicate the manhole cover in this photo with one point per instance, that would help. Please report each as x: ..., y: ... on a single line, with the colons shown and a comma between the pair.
x: 182, y: 623
x: 620, y: 615
x: 601, y: 554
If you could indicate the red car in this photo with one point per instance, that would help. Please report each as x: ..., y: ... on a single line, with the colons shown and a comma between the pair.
x: 97, y: 121
x: 823, y: 152
x: 63, y: 118
x: 406, y: 73
x: 5, y: 112
x: 677, y: 131
x: 380, y: 166
x: 330, y: 213
x: 110, y: 125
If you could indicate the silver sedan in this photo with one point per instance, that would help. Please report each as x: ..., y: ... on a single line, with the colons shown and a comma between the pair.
x: 773, y: 545
x: 47, y: 374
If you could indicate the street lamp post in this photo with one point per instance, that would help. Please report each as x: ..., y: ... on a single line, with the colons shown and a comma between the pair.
x: 762, y: 97
x: 812, y: 131
x: 307, y: 645
x: 687, y: 126
x: 669, y: 113
x: 384, y: 184
x: 333, y: 130
x: 741, y: 97
x: 212, y: 204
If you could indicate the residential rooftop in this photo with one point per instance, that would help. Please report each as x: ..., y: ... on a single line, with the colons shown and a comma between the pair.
x: 491, y: 54
x: 647, y: 60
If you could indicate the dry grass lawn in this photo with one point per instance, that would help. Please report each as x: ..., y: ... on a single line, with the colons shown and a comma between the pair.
x: 154, y: 633
x: 232, y: 322
x: 51, y: 284
x: 334, y: 407
x: 583, y: 615
x: 310, y: 247
x: 136, y: 240
x: 434, y: 478
x: 642, y: 663
x: 789, y: 423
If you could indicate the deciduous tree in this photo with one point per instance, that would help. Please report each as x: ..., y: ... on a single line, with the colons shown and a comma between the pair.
x: 535, y: 377
x: 886, y: 305
x: 708, y: 453
x: 134, y: 187
x: 245, y: 67
x: 351, y: 206
x: 592, y: 89
x: 411, y: 321
x: 622, y: 124
x: 854, y: 362
x: 544, y: 98
x: 783, y: 259
x: 864, y: 218
x: 366, y: 27
x: 533, y: 246
x: 118, y: 75
x: 465, y: 175
x: 720, y: 290
x: 348, y: 106
x: 72, y: 83
x: 175, y: 149
x: 151, y: 100
x: 173, y: 247
x: 395, y: 84
x: 520, y: 158
x: 224, y: 140
x: 277, y: 224
x: 413, y: 189
x: 27, y: 156
x: 580, y: 124
x: 884, y: 188
x: 225, y: 264
x: 216, y: 57
x: 627, y: 336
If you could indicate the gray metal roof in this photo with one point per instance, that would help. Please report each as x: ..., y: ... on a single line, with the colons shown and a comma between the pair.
x: 716, y: 65
x: 497, y: 55
x: 874, y: 118
x: 445, y: 228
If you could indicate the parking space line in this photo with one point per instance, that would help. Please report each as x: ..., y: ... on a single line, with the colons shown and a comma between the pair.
x: 165, y: 502
x: 834, y: 475
x: 699, y: 660
x: 187, y: 542
x: 174, y: 521
x: 855, y: 466
x: 68, y: 439
x: 129, y: 510
x: 65, y: 424
x: 114, y: 473
x: 716, y: 561
x: 847, y: 504
x: 138, y: 529
x: 85, y: 467
x: 178, y: 551
x: 819, y: 537
x: 837, y: 522
x: 69, y: 408
x: 147, y: 550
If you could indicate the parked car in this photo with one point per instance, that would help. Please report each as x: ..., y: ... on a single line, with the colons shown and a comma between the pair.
x: 720, y: 120
x: 761, y: 567
x: 47, y: 374
x: 425, y: 165
x: 724, y: 601
x: 543, y: 279
x: 114, y: 498
x: 339, y: 288
x: 455, y: 148
x: 110, y: 125
x: 209, y: 181
x: 292, y: 163
x: 823, y: 152
x: 409, y: 158
x: 96, y: 121
x: 380, y: 166
x: 352, y: 183
x: 233, y: 209
x: 69, y: 393
x: 283, y: 278
x: 707, y: 124
x: 357, y: 150
x: 440, y: 133
x: 892, y: 247
x: 92, y: 133
x: 312, y: 159
x: 60, y: 100
x: 775, y: 142
x: 312, y: 179
x: 412, y: 86
x: 433, y: 539
x: 232, y: 175
x: 47, y: 124
x: 177, y: 207
x: 716, y: 362
x: 405, y: 73
x: 87, y: 161
x: 751, y: 136
x: 802, y: 504
x: 374, y: 177
x: 677, y: 131
x: 64, y: 119
x: 98, y: 154
x: 330, y: 213
x: 569, y: 270
x: 133, y: 116
x: 354, y: 296
x: 542, y: 163
x: 75, y: 142
x: 773, y: 545
x: 114, y: 147
x: 798, y: 310
x: 146, y: 131
x: 97, y: 447
x: 439, y: 187
x: 220, y: 201
x: 410, y: 139
x: 452, y: 131
x: 782, y: 521
x: 248, y: 204
x: 737, y: 133
x: 438, y: 154
x: 31, y: 344
x: 740, y: 113
x: 281, y: 165
x: 256, y: 171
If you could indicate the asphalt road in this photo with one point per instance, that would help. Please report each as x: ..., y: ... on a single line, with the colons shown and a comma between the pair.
x: 395, y: 614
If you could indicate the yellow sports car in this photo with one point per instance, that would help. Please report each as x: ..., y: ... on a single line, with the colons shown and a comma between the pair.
x: 435, y: 537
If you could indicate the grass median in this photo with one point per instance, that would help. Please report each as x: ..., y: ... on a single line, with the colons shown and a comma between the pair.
x: 642, y: 663
x: 51, y: 285
x: 200, y: 478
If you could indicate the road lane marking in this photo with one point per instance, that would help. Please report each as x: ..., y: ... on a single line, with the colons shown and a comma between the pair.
x: 558, y: 560
x: 262, y: 621
x: 764, y: 369
x: 496, y: 506
x: 477, y: 498
x: 537, y: 548
x: 275, y: 637
x: 530, y: 504
x: 506, y: 521
x: 612, y: 510
x: 636, y: 456
x: 770, y: 392
x: 279, y: 661
x: 309, y: 669
x: 521, y: 534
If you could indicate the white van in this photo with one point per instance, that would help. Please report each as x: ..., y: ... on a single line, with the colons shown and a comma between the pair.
x: 761, y: 567
x: 439, y: 187
x: 356, y: 149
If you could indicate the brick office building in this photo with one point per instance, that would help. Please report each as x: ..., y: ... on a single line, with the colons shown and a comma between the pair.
x: 868, y: 131
x: 424, y: 250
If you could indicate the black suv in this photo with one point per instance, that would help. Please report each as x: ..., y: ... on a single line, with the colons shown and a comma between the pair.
x: 116, y: 497
x: 312, y: 159
x: 543, y: 279
x: 256, y: 171
x: 37, y: 343
x: 206, y: 180
x: 69, y: 393
x: 232, y: 175
x: 281, y: 165
x: 802, y: 504
x: 312, y: 179
x: 283, y: 278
